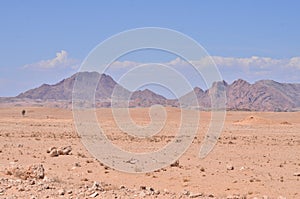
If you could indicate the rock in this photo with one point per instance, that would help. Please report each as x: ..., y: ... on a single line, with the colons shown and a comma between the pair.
x: 31, y: 182
x: 54, y: 153
x: 61, y: 192
x: 143, y: 187
x: 297, y: 174
x: 175, y: 164
x: 34, y: 171
x: 196, y: 195
x: 46, y: 179
x: 67, y: 150
x: 21, y: 188
x: 166, y: 191
x: 186, y: 193
x: 60, y: 152
x: 97, y: 186
x: 17, y: 172
x: 84, y: 179
x: 50, y: 149
x: 122, y: 187
x: 8, y: 172
x: 132, y: 161
x: 242, y: 168
x: 94, y: 195
x: 150, y: 189
x: 229, y: 167
x: 142, y: 194
x: 37, y: 171
x: 46, y: 186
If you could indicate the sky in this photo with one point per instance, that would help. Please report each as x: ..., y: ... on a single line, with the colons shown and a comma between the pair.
x: 46, y: 41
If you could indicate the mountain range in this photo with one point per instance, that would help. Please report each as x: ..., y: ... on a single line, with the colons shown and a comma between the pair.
x: 263, y: 95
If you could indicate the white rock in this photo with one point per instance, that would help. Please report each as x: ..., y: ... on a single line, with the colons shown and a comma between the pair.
x: 230, y: 167
x: 61, y: 192
x: 94, y: 195
x: 21, y: 188
x: 50, y: 149
x: 67, y: 150
x: 186, y: 193
x: 96, y: 186
x: 297, y: 174
x: 142, y: 194
x: 54, y: 153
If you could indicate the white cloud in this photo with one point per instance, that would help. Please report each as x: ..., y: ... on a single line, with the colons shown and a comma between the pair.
x: 249, y: 62
x: 177, y: 62
x: 257, y: 62
x: 249, y: 68
x: 294, y: 62
x: 235, y: 62
x: 124, y: 64
x: 255, y: 68
x: 61, y: 60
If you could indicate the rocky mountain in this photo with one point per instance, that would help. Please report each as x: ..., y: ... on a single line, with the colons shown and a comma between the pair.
x: 147, y: 98
x: 264, y: 95
x: 62, y: 91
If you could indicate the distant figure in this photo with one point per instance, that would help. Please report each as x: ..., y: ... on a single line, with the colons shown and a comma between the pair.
x: 23, y: 113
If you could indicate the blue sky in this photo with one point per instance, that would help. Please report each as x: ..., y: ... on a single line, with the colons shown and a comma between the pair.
x: 45, y: 41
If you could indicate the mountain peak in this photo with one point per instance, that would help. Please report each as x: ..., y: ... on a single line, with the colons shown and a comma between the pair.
x: 263, y: 95
x: 198, y: 90
x: 240, y: 82
x: 220, y: 83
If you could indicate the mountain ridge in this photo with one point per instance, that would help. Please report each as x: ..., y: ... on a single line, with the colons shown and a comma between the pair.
x: 263, y: 95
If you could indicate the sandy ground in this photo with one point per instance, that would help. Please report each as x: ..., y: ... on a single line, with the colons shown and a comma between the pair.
x: 257, y: 155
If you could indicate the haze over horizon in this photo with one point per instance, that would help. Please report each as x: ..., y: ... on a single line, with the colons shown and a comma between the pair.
x: 45, y: 42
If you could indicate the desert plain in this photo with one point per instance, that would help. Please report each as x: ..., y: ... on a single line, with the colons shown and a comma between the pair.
x: 256, y: 156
